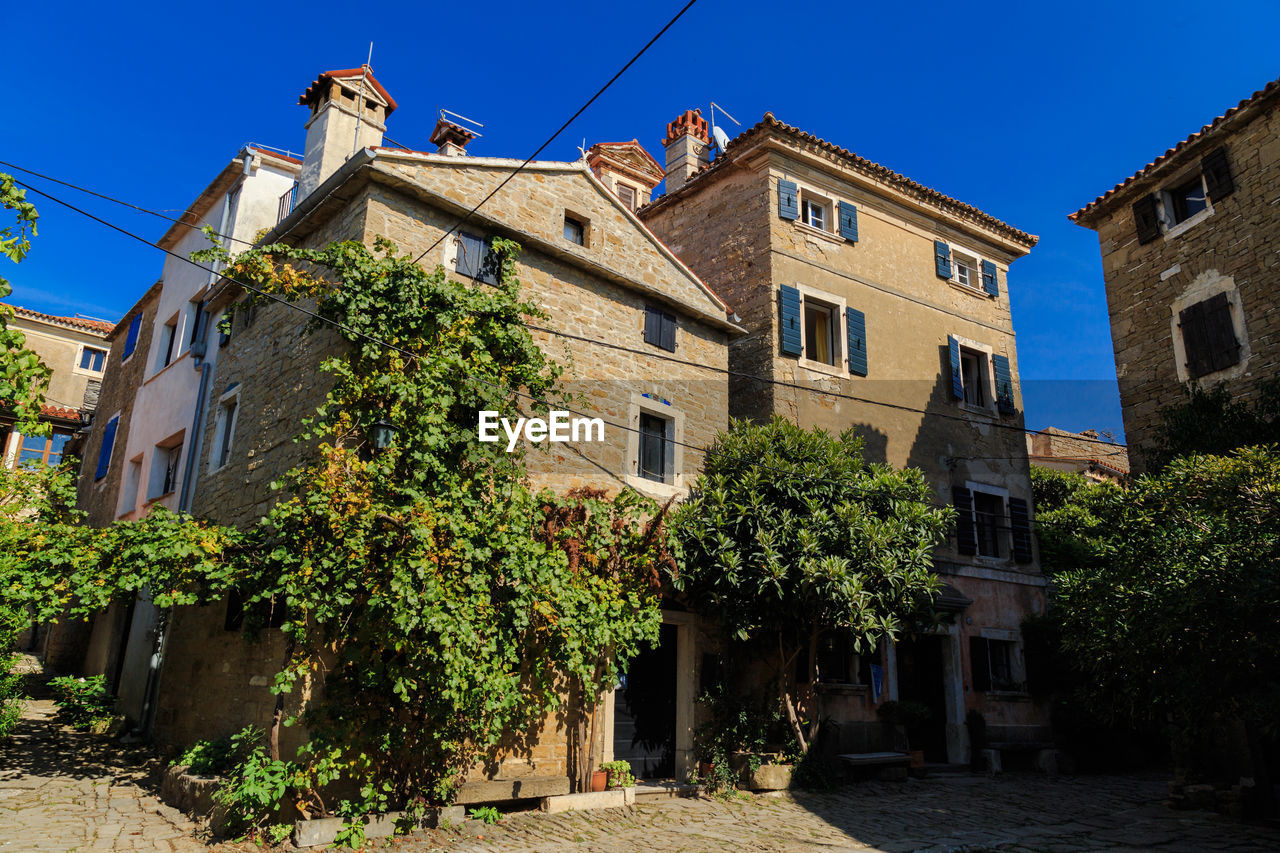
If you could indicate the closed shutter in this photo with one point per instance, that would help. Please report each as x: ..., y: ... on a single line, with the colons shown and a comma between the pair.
x: 788, y: 200
x: 979, y: 664
x: 1004, y: 384
x: 669, y: 451
x: 668, y: 338
x: 659, y: 328
x: 942, y: 259
x: 789, y: 312
x: 470, y: 255
x: 849, y: 221
x: 131, y: 339
x: 957, y: 380
x: 1217, y: 175
x: 1145, y: 219
x: 966, y: 536
x: 856, y: 324
x: 1020, y: 525
x: 1195, y: 339
x: 1224, y: 349
x: 104, y: 452
x: 990, y: 283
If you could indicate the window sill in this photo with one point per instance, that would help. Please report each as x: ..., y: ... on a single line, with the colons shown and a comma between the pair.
x: 840, y: 688
x: 177, y: 360
x: 809, y: 230
x: 654, y: 489
x: 159, y: 498
x: 1187, y: 224
x: 969, y: 289
x: 822, y: 367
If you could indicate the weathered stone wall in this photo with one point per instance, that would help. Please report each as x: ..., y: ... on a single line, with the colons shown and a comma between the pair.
x: 1236, y: 246
x: 1071, y: 451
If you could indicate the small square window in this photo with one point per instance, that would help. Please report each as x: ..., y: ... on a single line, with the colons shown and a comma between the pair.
x: 476, y: 259
x: 575, y: 231
x: 627, y: 195
x: 814, y: 213
x: 92, y: 359
x: 1188, y: 199
x: 965, y: 269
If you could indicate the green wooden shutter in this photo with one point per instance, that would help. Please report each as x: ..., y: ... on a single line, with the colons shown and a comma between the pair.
x: 990, y: 283
x: 942, y: 259
x: 1145, y: 220
x: 966, y: 536
x: 789, y: 313
x: 1004, y: 384
x: 788, y: 200
x: 1217, y: 175
x: 849, y: 221
x: 1020, y: 525
x: 856, y: 324
x: 957, y: 380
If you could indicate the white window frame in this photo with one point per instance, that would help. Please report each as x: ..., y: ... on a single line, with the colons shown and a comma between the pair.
x: 1164, y: 206
x: 219, y: 423
x: 619, y: 186
x: 171, y: 348
x: 988, y: 375
x: 675, y: 484
x: 131, y: 486
x: 85, y: 371
x: 813, y: 200
x: 161, y: 453
x: 841, y: 331
x: 974, y: 284
x: 1004, y: 533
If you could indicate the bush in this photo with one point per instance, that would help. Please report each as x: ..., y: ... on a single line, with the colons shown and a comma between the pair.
x: 620, y: 775
x: 10, y: 695
x: 254, y: 786
x: 207, y: 757
x: 83, y: 702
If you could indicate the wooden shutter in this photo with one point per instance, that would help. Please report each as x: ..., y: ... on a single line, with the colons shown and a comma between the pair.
x: 668, y: 337
x: 990, y: 283
x: 1217, y: 175
x: 849, y: 221
x: 669, y: 450
x: 979, y: 664
x: 470, y: 255
x: 856, y: 325
x: 788, y: 200
x: 131, y: 339
x: 942, y: 259
x: 966, y: 536
x: 1020, y: 525
x: 1145, y: 219
x: 104, y: 452
x: 1223, y: 348
x: 659, y: 328
x: 1195, y: 339
x: 1004, y: 384
x: 957, y: 380
x: 789, y: 312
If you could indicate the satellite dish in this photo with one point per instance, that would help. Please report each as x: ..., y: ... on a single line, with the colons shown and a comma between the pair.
x: 722, y: 138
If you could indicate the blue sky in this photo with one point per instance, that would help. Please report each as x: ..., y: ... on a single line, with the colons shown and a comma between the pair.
x: 1026, y: 110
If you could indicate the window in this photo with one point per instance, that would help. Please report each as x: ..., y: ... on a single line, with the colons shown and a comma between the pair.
x: 965, y: 270
x: 814, y: 213
x: 627, y: 195
x: 659, y: 328
x: 972, y: 370
x: 195, y: 313
x: 1163, y: 211
x: 817, y: 327
x: 1209, y: 336
x: 575, y: 231
x: 92, y: 359
x: 475, y: 258
x: 132, y: 480
x: 164, y: 468
x: 131, y: 339
x: 989, y: 522
x: 654, y: 438
x: 38, y: 451
x: 655, y: 458
x: 1187, y: 199
x: 821, y: 336
x: 165, y: 352
x: 108, y: 443
x: 992, y: 665
x: 224, y: 428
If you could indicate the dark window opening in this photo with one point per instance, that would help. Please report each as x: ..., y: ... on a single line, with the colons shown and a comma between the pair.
x: 653, y: 447
x: 575, y: 231
x: 1188, y: 199
x: 991, y: 665
x: 988, y: 519
x: 972, y: 366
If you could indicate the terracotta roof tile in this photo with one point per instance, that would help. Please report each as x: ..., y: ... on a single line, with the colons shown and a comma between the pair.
x: 100, y: 326
x: 1271, y: 89
x: 344, y: 74
x: 63, y: 412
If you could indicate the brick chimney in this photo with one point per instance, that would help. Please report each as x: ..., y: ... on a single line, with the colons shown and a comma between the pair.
x: 349, y: 109
x: 688, y: 144
x: 450, y: 139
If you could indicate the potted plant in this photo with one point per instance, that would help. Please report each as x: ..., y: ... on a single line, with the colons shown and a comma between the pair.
x: 619, y: 774
x: 599, y: 778
x: 909, y: 715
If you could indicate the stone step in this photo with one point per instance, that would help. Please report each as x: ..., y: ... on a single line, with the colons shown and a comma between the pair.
x: 647, y: 792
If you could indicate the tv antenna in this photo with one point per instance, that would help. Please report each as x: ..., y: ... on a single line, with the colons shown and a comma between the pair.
x: 444, y: 112
x: 721, y: 138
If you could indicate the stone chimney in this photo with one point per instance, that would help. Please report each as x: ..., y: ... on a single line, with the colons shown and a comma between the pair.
x: 450, y: 139
x: 626, y: 169
x: 688, y: 144
x: 349, y: 109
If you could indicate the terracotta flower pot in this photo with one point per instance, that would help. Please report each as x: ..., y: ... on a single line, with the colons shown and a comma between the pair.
x: 917, y: 758
x: 599, y: 779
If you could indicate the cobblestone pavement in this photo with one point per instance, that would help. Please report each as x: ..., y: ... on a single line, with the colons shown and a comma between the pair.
x: 62, y: 790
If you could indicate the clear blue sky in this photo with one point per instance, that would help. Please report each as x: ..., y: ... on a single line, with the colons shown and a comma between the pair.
x: 1026, y: 110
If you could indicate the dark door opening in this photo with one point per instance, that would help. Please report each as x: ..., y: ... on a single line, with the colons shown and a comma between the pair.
x: 644, y: 710
x: 920, y: 679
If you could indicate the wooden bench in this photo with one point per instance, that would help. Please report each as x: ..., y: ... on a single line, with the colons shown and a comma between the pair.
x: 889, y: 765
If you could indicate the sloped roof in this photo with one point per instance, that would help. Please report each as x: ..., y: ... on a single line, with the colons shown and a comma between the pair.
x: 769, y: 124
x: 1244, y: 109
x: 101, y: 327
x: 346, y: 74
x: 629, y: 156
x: 64, y: 412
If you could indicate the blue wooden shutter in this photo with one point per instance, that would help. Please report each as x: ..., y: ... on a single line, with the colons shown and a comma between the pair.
x: 789, y: 312
x: 942, y: 259
x: 104, y: 452
x: 856, y: 322
x: 470, y: 255
x: 652, y: 325
x: 1004, y: 384
x: 788, y: 200
x: 990, y: 283
x: 1020, y: 525
x: 966, y: 536
x: 849, y: 221
x: 131, y: 339
x: 957, y: 380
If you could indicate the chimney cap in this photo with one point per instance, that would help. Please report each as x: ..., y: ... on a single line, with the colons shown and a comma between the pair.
x: 447, y: 132
x: 318, y: 87
x: 691, y: 123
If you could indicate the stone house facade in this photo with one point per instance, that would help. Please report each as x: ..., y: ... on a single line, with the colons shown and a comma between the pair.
x: 586, y: 259
x: 1084, y: 453
x: 874, y: 303
x: 1189, y: 256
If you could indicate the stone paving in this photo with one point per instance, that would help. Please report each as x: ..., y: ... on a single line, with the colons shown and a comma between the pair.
x: 62, y: 790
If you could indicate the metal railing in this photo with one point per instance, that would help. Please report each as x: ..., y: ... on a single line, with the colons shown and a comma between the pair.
x: 287, y: 202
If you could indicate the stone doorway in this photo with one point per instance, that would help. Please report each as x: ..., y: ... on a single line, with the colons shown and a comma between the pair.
x: 644, y: 710
x: 921, y: 678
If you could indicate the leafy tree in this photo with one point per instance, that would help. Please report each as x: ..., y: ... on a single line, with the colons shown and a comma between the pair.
x: 791, y: 533
x: 1214, y: 421
x: 1075, y: 517
x: 23, y: 377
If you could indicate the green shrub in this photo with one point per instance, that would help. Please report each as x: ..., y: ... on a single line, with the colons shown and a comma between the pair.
x: 620, y: 775
x: 83, y: 702
x: 254, y: 785
x: 488, y: 815
x: 206, y: 757
x: 10, y: 695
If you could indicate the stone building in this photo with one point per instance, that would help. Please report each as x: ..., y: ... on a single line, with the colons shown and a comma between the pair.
x: 1083, y: 453
x: 875, y: 303
x: 586, y: 259
x: 1189, y: 246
